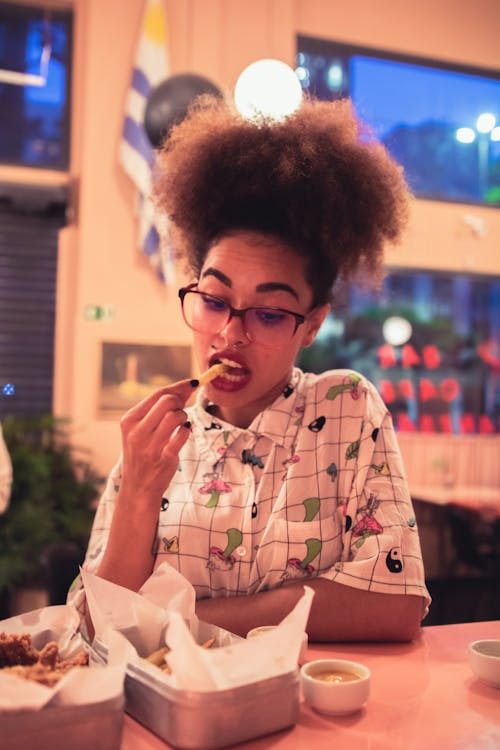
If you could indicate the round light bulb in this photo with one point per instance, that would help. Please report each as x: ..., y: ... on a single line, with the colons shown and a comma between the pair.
x: 268, y: 88
x: 465, y: 135
x: 485, y: 122
x: 396, y: 330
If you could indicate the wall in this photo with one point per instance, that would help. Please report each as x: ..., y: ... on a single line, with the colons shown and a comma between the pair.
x: 99, y: 263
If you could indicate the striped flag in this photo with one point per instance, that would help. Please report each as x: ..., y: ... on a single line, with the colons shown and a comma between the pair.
x: 136, y: 154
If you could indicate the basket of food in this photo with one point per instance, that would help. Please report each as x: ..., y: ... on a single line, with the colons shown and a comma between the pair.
x: 197, y: 686
x: 51, y: 693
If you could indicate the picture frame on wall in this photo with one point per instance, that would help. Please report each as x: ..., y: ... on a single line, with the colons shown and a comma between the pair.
x: 130, y: 372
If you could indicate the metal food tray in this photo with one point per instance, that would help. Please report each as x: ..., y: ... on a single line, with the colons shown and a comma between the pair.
x: 194, y: 720
x: 96, y: 725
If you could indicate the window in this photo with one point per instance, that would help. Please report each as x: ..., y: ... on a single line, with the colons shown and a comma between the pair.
x: 35, y: 46
x: 440, y: 121
x: 29, y: 225
x: 430, y: 342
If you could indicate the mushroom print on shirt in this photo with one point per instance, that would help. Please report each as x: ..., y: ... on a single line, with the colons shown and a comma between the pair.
x: 296, y: 568
x: 313, y: 487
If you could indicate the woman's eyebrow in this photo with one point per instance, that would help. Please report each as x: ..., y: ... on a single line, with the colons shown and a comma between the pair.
x: 267, y: 286
x: 274, y: 286
x: 218, y: 275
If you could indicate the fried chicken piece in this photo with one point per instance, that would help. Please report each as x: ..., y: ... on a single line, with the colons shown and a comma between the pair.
x: 35, y: 672
x: 48, y: 654
x: 80, y: 659
x: 20, y: 658
x: 16, y: 649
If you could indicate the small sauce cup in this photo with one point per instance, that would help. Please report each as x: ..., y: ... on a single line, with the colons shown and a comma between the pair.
x: 484, y: 660
x: 335, y: 686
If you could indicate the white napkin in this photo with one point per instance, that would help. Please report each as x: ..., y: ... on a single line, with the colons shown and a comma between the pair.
x: 164, y: 612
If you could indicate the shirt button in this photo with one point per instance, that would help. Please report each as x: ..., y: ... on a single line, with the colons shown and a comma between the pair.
x: 240, y: 551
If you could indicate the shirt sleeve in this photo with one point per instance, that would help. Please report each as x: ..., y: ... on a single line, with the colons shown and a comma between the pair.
x: 5, y: 474
x: 381, y: 545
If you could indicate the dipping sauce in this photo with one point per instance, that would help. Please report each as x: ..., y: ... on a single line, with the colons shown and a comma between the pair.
x: 336, y: 676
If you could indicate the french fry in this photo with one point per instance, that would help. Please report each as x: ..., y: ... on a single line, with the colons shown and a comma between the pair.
x: 209, y: 643
x: 217, y: 369
x: 158, y: 657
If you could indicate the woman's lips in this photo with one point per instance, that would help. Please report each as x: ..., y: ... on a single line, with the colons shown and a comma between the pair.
x: 237, y: 375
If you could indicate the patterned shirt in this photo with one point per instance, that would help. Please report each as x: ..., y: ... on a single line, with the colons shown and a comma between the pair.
x: 313, y: 487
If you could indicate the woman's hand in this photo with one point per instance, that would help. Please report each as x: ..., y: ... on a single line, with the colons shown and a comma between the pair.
x: 153, y: 433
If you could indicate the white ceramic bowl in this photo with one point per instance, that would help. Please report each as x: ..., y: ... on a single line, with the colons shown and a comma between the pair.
x: 264, y: 628
x: 484, y: 660
x: 335, y: 697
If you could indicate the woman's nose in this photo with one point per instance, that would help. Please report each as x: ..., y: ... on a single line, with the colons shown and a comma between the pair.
x: 234, y: 333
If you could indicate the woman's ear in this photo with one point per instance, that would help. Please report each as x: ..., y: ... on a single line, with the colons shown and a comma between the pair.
x: 313, y: 323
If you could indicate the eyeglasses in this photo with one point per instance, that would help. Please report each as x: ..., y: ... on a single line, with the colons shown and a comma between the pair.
x: 270, y: 327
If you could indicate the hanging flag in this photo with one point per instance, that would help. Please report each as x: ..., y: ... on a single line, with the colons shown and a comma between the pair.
x: 136, y: 154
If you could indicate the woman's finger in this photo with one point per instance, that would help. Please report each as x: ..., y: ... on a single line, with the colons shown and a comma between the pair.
x: 182, y: 390
x: 177, y: 440
x: 166, y: 405
x: 165, y: 427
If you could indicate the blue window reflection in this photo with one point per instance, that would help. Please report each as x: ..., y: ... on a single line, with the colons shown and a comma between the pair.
x: 425, y: 112
x: 429, y: 341
x: 34, y: 127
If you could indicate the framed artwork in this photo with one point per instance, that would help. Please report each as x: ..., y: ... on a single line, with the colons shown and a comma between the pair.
x: 130, y: 372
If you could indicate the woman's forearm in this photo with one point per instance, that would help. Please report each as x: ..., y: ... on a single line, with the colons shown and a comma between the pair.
x: 153, y: 433
x: 338, y: 613
x: 129, y: 556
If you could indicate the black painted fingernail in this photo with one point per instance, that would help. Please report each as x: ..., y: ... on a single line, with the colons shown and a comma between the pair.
x: 187, y: 425
x: 194, y: 383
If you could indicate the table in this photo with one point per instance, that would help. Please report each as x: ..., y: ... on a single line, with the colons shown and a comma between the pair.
x: 423, y: 697
x: 459, y: 525
x: 480, y: 499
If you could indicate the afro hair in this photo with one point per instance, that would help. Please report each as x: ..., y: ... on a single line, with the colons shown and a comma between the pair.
x: 318, y: 181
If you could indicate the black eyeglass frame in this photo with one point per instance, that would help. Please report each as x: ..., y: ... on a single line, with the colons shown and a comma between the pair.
x: 235, y: 312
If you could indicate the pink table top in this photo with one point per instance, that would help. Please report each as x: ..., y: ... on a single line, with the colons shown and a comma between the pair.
x: 423, y: 697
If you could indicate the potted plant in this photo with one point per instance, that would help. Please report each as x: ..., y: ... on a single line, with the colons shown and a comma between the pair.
x: 52, y: 502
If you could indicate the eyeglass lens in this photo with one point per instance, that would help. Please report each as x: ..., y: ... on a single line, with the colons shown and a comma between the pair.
x: 266, y: 326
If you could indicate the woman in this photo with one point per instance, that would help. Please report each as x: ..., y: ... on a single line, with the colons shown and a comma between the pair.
x: 273, y: 477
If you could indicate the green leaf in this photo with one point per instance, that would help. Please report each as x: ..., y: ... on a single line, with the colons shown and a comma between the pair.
x: 53, y: 491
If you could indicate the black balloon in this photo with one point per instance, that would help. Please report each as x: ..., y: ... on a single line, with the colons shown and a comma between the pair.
x: 168, y: 103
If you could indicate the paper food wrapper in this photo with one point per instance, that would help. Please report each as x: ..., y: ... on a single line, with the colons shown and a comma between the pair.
x: 164, y: 612
x: 78, y: 686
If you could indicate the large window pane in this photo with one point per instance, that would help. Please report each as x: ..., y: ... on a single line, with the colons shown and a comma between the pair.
x: 431, y: 344
x: 34, y: 122
x: 429, y: 114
